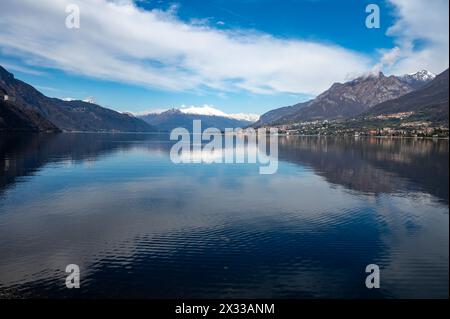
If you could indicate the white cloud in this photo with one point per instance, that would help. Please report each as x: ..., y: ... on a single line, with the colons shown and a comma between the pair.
x: 388, y: 59
x: 19, y: 68
x: 421, y: 34
x: 120, y: 42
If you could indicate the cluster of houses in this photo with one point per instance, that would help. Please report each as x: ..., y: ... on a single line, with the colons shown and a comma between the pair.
x: 400, y: 116
x: 331, y: 128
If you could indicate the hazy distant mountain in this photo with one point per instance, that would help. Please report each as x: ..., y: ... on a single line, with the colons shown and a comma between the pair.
x: 344, y: 100
x: 210, y: 117
x: 430, y: 102
x: 66, y: 115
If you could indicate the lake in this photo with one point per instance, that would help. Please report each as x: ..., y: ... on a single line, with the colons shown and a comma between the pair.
x: 140, y: 226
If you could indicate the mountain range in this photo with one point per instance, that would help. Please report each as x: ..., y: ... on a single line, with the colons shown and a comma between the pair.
x: 210, y: 117
x: 350, y: 99
x: 430, y: 102
x: 422, y: 95
x: 27, y: 109
x: 22, y: 119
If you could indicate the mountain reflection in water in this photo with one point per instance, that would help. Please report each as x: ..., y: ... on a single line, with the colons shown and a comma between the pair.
x: 140, y: 226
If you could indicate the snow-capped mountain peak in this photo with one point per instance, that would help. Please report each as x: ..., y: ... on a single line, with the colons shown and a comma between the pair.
x: 418, y: 79
x: 420, y: 76
x: 245, y: 117
x: 202, y: 110
x: 210, y: 111
x: 423, y: 75
x: 206, y: 110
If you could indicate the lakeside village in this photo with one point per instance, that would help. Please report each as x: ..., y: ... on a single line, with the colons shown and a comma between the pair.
x: 391, y: 125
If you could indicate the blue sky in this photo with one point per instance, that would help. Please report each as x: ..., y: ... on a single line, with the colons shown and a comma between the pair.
x: 334, y: 21
x: 246, y: 56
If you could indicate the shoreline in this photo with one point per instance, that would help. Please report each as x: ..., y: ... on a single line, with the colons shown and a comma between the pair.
x: 279, y: 134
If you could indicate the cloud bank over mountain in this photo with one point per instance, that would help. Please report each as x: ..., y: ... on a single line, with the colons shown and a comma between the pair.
x: 421, y: 34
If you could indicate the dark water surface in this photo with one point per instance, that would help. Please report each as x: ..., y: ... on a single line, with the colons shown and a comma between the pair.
x: 140, y: 226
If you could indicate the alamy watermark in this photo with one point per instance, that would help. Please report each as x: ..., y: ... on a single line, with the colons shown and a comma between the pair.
x: 73, y: 279
x: 232, y: 146
x: 373, y: 279
x: 373, y: 19
x: 73, y: 17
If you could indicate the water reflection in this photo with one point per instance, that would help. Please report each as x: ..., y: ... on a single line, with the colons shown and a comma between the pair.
x: 374, y: 165
x: 140, y: 226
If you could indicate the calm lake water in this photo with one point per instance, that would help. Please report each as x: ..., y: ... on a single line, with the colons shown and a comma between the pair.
x: 140, y: 226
